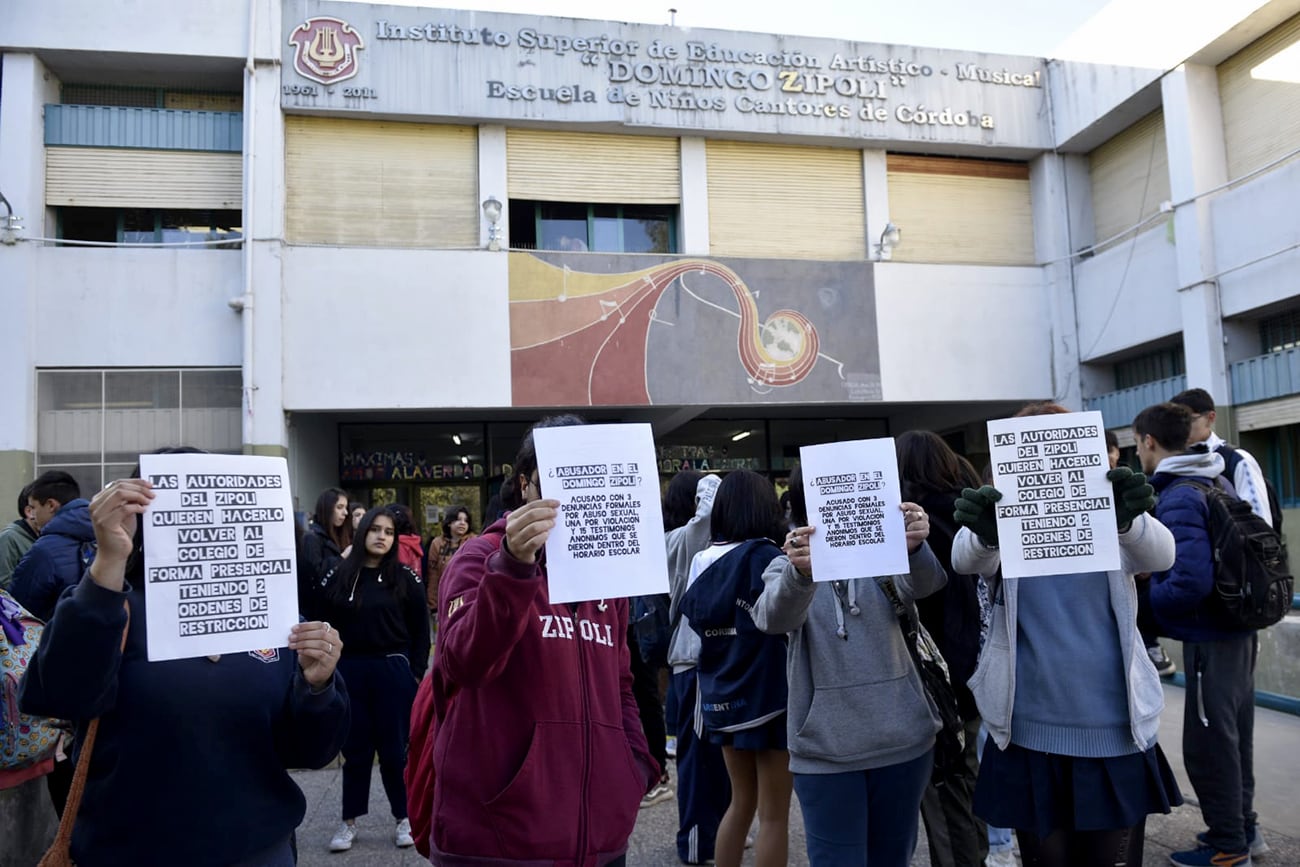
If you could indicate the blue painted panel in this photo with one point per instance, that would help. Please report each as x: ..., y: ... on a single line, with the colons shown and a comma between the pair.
x: 1119, y: 408
x: 1265, y: 376
x: 108, y: 126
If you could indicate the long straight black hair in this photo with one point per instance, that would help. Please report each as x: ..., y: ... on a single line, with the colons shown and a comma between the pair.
x: 745, y: 507
x: 339, y: 585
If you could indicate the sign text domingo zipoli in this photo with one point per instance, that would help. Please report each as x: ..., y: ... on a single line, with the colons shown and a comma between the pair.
x: 508, y: 66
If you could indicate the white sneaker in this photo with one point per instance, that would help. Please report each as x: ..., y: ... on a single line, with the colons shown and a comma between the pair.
x: 661, y: 792
x: 343, y: 837
x: 403, y: 837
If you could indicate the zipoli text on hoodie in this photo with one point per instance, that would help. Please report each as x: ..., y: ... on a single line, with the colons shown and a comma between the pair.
x: 1182, y: 597
x: 539, y: 754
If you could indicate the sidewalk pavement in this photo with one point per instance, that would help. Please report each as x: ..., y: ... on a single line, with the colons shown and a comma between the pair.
x: 1277, y: 769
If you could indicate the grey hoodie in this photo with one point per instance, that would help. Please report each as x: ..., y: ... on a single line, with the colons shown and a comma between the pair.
x: 683, y: 544
x: 856, y: 699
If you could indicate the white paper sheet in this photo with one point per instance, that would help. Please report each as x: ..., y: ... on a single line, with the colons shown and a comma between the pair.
x: 220, y: 573
x: 609, y: 542
x: 853, y: 496
x: 1057, y: 512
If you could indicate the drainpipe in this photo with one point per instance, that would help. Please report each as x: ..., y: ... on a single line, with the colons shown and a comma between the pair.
x: 246, y: 306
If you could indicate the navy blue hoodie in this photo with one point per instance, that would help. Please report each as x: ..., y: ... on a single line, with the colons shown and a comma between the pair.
x: 189, y: 765
x: 55, y: 561
x: 742, y: 669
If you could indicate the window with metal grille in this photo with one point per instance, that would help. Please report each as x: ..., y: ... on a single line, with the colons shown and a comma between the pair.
x: 1284, y: 464
x: 150, y: 97
x: 1279, y: 332
x: 598, y: 228
x: 1150, y: 367
x: 96, y: 423
x: 151, y: 226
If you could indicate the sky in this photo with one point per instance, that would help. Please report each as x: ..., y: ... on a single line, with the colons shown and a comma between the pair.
x: 1149, y: 33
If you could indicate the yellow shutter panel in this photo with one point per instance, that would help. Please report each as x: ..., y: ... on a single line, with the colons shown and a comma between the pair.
x: 960, y: 211
x: 204, y: 101
x: 583, y: 167
x: 780, y: 201
x: 1130, y: 176
x: 132, y: 178
x: 1261, y: 100
x: 380, y: 184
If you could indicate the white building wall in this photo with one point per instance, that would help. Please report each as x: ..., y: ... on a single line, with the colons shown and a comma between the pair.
x: 433, y: 328
x: 134, y: 307
x: 1126, y: 295
x: 962, y: 333
x: 215, y: 28
x: 1257, y: 221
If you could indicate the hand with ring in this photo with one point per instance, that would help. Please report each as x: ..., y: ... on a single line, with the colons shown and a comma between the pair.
x: 318, y: 646
x: 916, y: 523
x: 797, y: 549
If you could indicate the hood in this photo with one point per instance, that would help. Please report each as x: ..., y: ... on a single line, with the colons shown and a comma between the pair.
x: 1198, y: 463
x: 24, y: 528
x: 73, y: 521
x: 411, y: 542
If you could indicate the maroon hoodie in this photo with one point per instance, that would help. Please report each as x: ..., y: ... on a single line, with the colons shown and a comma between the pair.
x: 539, y: 754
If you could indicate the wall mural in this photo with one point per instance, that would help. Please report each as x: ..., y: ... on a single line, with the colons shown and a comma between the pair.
x: 617, y: 330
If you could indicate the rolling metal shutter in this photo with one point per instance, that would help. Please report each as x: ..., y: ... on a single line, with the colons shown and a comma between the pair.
x: 779, y: 201
x: 582, y: 167
x: 137, y: 178
x: 1130, y: 176
x: 380, y: 184
x: 1261, y: 100
x: 960, y: 211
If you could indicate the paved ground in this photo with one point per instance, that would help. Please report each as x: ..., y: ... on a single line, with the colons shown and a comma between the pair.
x: 1277, y: 768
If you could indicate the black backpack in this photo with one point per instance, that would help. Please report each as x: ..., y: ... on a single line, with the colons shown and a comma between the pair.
x: 1231, y: 459
x: 1252, y: 579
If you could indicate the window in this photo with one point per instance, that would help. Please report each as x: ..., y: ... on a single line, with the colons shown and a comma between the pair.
x: 95, y: 423
x: 1284, y: 463
x: 151, y: 226
x: 150, y: 97
x: 1279, y: 332
x: 598, y: 228
x: 1151, y: 367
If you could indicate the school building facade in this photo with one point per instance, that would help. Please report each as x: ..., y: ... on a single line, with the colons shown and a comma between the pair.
x: 399, y: 235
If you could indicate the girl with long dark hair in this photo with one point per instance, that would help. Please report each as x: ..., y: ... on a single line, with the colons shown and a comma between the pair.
x: 456, y: 531
x: 378, y: 606
x: 742, y: 686
x: 323, y: 545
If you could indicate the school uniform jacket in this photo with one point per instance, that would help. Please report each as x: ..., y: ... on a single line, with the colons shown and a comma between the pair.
x: 539, y: 755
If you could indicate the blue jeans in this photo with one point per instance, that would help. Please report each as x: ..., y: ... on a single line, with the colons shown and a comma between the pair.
x: 999, y: 838
x: 863, y: 818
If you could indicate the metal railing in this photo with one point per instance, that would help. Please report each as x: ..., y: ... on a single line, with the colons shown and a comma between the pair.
x: 1118, y: 408
x: 111, y: 126
x: 1264, y: 377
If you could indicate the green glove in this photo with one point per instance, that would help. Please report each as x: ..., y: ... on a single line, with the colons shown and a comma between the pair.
x: 1133, y: 496
x: 974, y: 509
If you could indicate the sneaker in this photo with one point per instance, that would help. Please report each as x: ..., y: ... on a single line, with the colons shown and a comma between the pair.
x: 403, y: 836
x: 660, y: 793
x: 1258, y: 845
x: 1005, y: 858
x: 1208, y: 856
x: 671, y: 747
x: 343, y: 837
x: 1164, y: 665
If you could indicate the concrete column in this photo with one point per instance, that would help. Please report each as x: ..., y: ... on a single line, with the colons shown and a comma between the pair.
x: 875, y: 189
x: 694, y: 211
x: 27, y: 87
x: 493, y: 180
x: 1197, y: 162
x: 1049, y: 193
x: 264, y: 429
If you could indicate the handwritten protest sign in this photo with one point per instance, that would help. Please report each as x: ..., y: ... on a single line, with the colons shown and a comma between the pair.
x: 853, y: 496
x: 219, y: 555
x: 1057, y: 512
x: 609, y: 541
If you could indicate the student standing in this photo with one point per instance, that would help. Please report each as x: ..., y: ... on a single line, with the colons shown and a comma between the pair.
x: 378, y: 606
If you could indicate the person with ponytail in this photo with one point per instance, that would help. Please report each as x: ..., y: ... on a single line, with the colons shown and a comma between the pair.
x: 378, y: 606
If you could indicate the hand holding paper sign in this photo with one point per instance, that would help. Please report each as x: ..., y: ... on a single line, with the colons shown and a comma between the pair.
x: 115, y: 514
x: 917, y: 524
x: 798, y: 550
x: 528, y: 527
x: 974, y: 509
x: 1133, y: 496
x: 318, y: 646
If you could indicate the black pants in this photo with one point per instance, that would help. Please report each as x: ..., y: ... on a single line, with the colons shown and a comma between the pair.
x: 956, y: 836
x: 380, y: 693
x: 645, y: 687
x: 1219, y: 736
x: 1083, y: 848
x: 1146, y: 618
x: 59, y: 783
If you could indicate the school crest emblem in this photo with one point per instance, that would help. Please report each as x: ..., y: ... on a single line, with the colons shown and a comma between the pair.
x: 326, y: 50
x: 271, y: 654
